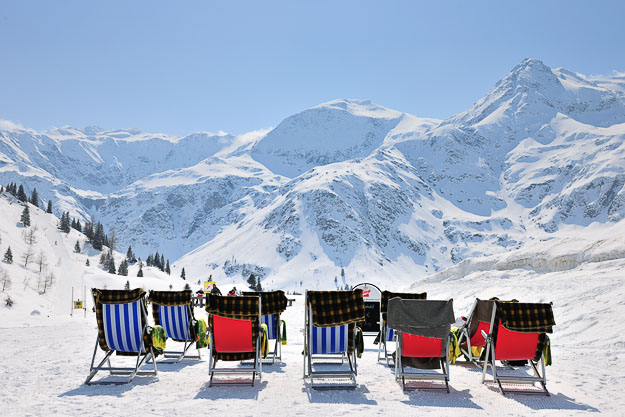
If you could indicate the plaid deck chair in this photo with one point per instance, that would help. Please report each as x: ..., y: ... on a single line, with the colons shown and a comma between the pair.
x: 234, y: 332
x: 422, y: 332
x: 386, y: 333
x: 470, y: 334
x: 518, y: 331
x: 173, y: 310
x: 330, y: 321
x: 272, y: 304
x: 123, y: 329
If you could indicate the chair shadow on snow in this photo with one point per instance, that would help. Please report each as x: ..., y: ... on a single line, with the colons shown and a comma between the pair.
x: 165, y: 367
x: 109, y: 390
x: 269, y: 368
x: 223, y: 392
x: 355, y: 396
x: 557, y: 401
x: 455, y: 399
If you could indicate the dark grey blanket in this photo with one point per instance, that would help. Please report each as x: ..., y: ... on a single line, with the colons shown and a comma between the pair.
x: 428, y: 318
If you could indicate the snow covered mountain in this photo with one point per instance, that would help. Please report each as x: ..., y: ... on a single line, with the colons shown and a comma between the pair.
x: 387, y: 196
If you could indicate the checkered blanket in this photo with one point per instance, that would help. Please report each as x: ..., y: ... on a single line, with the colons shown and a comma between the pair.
x: 240, y: 308
x: 172, y: 298
x: 335, y: 308
x: 387, y: 295
x: 271, y: 302
x: 526, y: 317
x: 119, y: 297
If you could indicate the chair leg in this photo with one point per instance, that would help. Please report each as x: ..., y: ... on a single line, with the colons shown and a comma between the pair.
x: 94, y: 370
x: 486, y: 359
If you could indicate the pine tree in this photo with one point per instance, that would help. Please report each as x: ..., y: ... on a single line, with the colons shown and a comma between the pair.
x: 87, y: 263
x: 25, y: 219
x: 77, y: 247
x: 104, y: 258
x: 8, y: 256
x: 98, y: 237
x: 112, y: 241
x: 49, y: 209
x: 88, y: 231
x: 167, y: 269
x: 251, y: 282
x: 123, y: 268
x: 162, y: 262
x: 140, y: 273
x: 76, y: 225
x: 111, y: 264
x: 34, y: 198
x: 157, y: 260
x: 149, y: 261
x: 183, y: 275
x: 65, y: 225
x: 21, y: 195
x: 258, y: 286
x: 127, y: 285
x: 130, y: 256
x: 187, y: 287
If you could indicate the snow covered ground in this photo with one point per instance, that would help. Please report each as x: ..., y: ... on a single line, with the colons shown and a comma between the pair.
x: 45, y: 360
x: 46, y: 353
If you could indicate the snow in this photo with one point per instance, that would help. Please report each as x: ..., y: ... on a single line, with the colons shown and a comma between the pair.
x: 587, y: 303
x: 46, y: 352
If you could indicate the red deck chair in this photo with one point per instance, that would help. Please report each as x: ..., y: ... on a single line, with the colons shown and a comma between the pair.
x: 518, y: 332
x: 234, y: 331
x: 470, y: 334
x: 422, y: 328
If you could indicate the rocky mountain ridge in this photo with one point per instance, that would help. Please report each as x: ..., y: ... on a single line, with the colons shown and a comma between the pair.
x: 349, y: 184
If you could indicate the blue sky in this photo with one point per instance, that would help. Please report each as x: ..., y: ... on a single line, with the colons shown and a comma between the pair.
x: 184, y: 66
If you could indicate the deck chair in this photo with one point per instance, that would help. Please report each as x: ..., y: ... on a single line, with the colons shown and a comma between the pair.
x: 518, y: 331
x: 329, y: 337
x: 273, y: 303
x: 422, y: 332
x: 173, y: 310
x: 470, y: 334
x: 234, y: 334
x: 386, y: 333
x: 123, y: 329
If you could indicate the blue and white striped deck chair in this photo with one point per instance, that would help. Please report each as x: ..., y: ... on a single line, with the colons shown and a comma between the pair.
x: 273, y: 303
x: 173, y: 310
x: 122, y: 329
x: 329, y: 340
x: 324, y: 348
x: 273, y: 333
x: 383, y: 348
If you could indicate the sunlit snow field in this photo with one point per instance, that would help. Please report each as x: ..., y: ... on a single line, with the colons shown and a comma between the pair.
x: 45, y: 360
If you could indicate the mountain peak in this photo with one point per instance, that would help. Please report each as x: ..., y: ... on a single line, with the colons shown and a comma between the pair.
x: 363, y: 108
